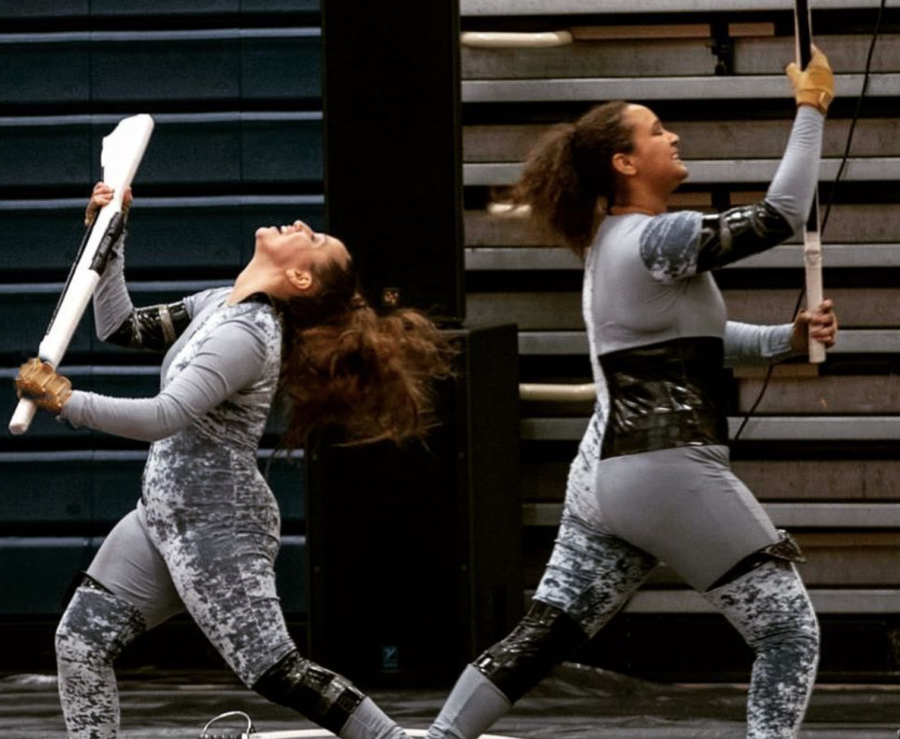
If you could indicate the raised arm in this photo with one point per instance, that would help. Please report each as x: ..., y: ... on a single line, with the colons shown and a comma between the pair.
x: 117, y: 320
x: 679, y: 245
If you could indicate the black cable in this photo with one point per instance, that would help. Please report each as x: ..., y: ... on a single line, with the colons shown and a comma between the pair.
x: 837, y: 179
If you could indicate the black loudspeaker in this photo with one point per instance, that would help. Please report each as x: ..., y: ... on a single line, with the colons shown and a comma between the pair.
x: 393, y: 148
x: 415, y: 553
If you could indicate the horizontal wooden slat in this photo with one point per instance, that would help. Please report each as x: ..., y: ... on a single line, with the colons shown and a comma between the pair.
x: 583, y: 7
x: 866, y: 308
x: 787, y: 515
x: 838, y: 479
x: 669, y: 57
x: 661, y: 88
x: 833, y: 394
x: 775, y: 480
x: 790, y: 256
x: 856, y: 223
x: 699, y: 139
x: 552, y: 343
x: 647, y: 31
x: 629, y: 57
x: 718, y: 171
x: 836, y: 601
x: 792, y: 428
x: 561, y: 311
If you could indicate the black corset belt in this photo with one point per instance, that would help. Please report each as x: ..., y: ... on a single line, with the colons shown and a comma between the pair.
x: 665, y: 395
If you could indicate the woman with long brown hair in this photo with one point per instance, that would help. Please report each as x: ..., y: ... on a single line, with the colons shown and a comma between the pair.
x: 206, y: 531
x: 652, y: 480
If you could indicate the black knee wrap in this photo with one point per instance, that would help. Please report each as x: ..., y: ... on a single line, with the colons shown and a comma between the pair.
x: 786, y: 548
x: 319, y: 694
x: 542, y: 639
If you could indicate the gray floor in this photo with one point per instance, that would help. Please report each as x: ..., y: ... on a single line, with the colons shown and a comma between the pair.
x: 576, y: 703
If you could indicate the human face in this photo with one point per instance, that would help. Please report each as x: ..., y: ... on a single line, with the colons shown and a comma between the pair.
x: 655, y: 155
x: 298, y: 247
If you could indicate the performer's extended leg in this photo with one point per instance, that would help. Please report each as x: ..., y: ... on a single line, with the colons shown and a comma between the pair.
x: 326, y: 698
x: 590, y: 576
x: 227, y: 582
x: 95, y: 628
x: 770, y: 607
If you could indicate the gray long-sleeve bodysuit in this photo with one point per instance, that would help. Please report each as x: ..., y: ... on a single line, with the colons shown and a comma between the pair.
x: 205, y: 533
x: 206, y: 530
x: 627, y: 508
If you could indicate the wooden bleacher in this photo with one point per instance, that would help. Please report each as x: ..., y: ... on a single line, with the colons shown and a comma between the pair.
x: 821, y: 452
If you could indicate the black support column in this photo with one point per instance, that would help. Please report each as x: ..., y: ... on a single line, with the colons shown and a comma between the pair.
x: 415, y: 553
x: 393, y: 161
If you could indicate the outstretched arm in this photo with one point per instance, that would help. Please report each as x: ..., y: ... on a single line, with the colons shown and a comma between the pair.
x: 229, y: 360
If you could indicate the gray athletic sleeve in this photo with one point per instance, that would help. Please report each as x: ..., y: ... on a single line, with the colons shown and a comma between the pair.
x: 230, y: 359
x: 748, y: 344
x: 112, y: 303
x: 675, y: 246
x: 794, y: 185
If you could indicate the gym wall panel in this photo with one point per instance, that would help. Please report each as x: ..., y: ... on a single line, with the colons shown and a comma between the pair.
x: 45, y: 69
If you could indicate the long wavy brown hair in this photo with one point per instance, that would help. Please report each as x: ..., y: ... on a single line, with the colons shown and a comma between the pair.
x: 569, y: 171
x: 345, y: 365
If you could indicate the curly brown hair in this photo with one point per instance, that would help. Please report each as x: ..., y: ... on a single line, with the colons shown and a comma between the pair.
x: 569, y: 170
x: 345, y: 365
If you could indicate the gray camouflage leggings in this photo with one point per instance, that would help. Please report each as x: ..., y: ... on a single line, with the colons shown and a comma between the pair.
x: 226, y: 581
x: 591, y: 576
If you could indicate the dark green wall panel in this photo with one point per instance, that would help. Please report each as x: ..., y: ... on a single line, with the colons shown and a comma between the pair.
x: 211, y: 237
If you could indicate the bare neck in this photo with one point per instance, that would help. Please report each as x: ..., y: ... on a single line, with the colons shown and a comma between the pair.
x: 640, y: 198
x: 250, y: 281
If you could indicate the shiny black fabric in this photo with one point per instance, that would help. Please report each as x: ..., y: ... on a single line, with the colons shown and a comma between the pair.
x: 786, y: 548
x: 738, y: 233
x: 665, y: 395
x: 319, y: 694
x: 155, y: 327
x: 544, y: 637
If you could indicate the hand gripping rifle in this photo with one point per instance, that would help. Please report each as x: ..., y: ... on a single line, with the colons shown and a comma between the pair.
x: 812, y: 241
x: 122, y: 152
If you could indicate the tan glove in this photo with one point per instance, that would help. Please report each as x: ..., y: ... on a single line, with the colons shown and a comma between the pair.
x: 814, y: 85
x: 39, y: 382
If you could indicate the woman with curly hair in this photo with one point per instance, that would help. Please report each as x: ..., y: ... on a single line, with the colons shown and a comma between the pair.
x: 206, y: 531
x: 652, y: 480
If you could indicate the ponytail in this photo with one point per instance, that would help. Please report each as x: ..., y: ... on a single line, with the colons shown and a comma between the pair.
x: 570, y: 170
x: 343, y: 364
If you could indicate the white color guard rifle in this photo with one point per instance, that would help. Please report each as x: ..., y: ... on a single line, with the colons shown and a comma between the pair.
x: 812, y: 241
x: 120, y: 157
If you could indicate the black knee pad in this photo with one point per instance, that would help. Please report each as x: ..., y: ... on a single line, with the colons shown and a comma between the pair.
x: 319, y: 694
x: 786, y: 548
x: 541, y: 640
